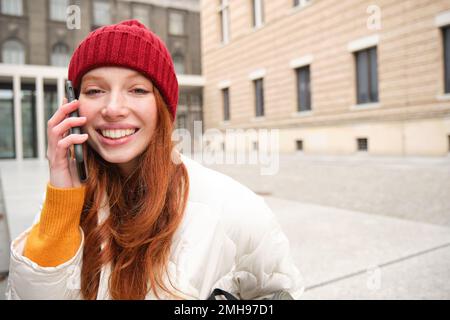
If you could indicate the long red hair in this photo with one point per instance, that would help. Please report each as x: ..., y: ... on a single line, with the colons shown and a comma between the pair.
x: 146, y: 209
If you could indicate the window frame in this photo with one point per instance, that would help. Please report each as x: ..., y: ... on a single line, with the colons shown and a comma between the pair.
x: 9, y: 103
x: 300, y: 3
x: 141, y: 7
x: 303, y: 96
x: 94, y: 22
x: 362, y: 144
x: 181, y: 121
x: 446, y: 46
x: 173, y: 32
x: 22, y: 46
x: 53, y: 54
x: 257, y: 13
x: 224, y: 21
x: 18, y: 4
x: 299, y: 145
x: 52, y: 12
x: 366, y: 69
x: 175, y: 58
x: 259, y: 97
x: 226, y: 103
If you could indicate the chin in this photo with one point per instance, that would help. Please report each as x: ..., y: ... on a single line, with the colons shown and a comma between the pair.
x: 119, y: 159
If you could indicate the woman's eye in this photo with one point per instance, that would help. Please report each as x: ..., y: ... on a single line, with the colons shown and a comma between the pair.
x: 92, y: 91
x: 140, y: 91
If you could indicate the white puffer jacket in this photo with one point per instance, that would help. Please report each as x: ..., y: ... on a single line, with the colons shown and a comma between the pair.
x: 228, y: 239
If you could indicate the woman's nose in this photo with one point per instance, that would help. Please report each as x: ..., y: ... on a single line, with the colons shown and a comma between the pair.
x: 115, y: 106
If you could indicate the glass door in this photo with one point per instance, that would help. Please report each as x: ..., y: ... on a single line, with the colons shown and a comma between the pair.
x: 7, y: 146
x: 50, y: 106
x: 29, y: 132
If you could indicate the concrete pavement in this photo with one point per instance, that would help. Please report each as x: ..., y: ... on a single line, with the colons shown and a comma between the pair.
x: 344, y: 254
x: 412, y: 188
x: 341, y: 253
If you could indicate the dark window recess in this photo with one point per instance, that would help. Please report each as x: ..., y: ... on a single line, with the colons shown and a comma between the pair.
x: 253, y: 13
x: 362, y: 144
x: 255, y: 145
x: 226, y: 104
x: 181, y: 121
x: 299, y: 144
x: 303, y: 89
x: 296, y: 3
x: 7, y: 126
x: 447, y: 58
x: 449, y: 143
x: 29, y: 129
x: 367, y: 76
x: 223, y: 146
x: 259, y: 97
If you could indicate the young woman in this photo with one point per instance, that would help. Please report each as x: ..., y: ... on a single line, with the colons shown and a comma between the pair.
x: 148, y: 222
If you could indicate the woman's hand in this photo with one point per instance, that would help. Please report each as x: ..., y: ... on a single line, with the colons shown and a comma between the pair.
x: 63, y: 171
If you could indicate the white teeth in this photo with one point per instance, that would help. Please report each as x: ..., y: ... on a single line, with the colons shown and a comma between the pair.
x: 115, y: 134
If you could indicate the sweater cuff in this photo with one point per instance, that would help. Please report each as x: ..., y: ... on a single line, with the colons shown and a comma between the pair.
x: 61, y: 212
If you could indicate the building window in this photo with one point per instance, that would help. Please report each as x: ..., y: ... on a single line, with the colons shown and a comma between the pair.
x: 447, y: 58
x: 141, y: 13
x: 176, y: 23
x: 50, y: 104
x: 303, y: 89
x: 259, y: 97
x: 12, y: 7
x: 7, y: 145
x: 258, y: 13
x: 13, y: 52
x: 102, y: 12
x: 301, y: 3
x: 299, y: 145
x: 367, y: 75
x: 181, y: 121
x: 195, y: 100
x: 226, y: 104
x: 362, y: 144
x: 224, y: 12
x: 182, y: 100
x: 449, y: 143
x: 60, y: 55
x: 29, y: 127
x: 58, y: 9
x: 178, y: 61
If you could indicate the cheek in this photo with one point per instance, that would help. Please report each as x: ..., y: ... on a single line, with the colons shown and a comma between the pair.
x: 149, y: 115
x: 87, y: 110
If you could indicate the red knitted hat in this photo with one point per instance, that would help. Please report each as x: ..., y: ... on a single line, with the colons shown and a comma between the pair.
x: 129, y: 44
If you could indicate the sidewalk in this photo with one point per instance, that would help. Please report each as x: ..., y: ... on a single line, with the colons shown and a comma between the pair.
x: 342, y: 254
x: 345, y: 254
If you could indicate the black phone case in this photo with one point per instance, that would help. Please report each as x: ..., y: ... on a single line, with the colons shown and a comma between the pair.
x: 78, y: 148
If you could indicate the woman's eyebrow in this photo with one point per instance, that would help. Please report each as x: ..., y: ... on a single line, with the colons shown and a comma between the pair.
x: 94, y: 78
x: 100, y: 79
x: 133, y: 75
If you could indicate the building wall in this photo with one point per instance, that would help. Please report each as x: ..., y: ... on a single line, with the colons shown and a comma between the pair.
x: 39, y: 33
x: 412, y: 116
x: 45, y: 84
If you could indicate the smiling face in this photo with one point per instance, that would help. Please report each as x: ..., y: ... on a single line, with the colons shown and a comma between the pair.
x: 121, y: 113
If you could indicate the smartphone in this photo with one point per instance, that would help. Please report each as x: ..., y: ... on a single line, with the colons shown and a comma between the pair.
x: 77, y: 148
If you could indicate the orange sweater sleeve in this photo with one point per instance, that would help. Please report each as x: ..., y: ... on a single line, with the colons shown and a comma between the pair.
x: 56, y: 238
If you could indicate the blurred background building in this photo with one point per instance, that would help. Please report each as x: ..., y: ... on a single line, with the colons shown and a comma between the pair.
x: 353, y: 77
x: 336, y: 77
x: 36, y: 46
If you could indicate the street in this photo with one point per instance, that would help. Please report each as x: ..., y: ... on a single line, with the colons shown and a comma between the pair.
x: 359, y: 228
